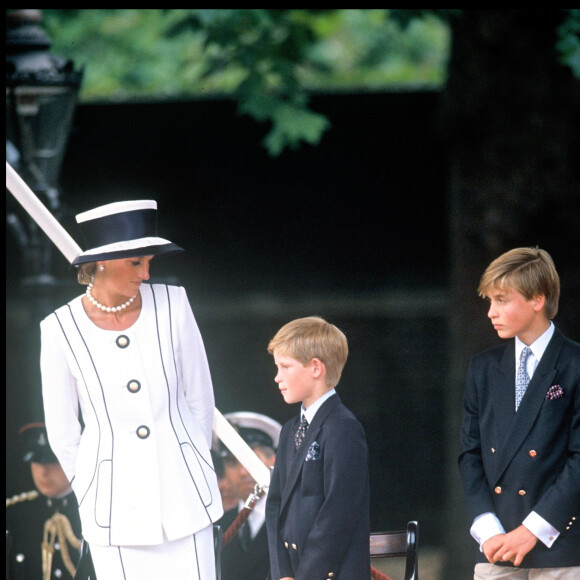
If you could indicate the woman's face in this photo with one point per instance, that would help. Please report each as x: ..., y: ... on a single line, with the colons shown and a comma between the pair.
x: 124, y: 276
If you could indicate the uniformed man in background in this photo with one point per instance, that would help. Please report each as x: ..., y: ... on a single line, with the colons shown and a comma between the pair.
x: 43, y: 525
x: 246, y: 556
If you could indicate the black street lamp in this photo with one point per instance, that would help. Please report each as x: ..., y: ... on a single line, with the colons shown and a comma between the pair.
x: 41, y: 96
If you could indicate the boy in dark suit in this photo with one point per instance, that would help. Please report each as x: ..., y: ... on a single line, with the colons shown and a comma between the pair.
x: 317, y: 511
x: 520, y: 435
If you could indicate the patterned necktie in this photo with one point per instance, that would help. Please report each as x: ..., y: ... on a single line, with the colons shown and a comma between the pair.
x: 522, y: 377
x: 300, y: 432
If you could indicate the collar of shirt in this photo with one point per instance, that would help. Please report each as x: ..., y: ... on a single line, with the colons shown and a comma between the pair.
x: 538, y: 348
x: 311, y: 411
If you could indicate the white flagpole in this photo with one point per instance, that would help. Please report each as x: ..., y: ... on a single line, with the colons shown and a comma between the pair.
x: 240, y: 449
x: 66, y: 244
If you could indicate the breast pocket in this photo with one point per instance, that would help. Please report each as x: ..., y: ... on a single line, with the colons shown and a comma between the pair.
x: 312, y: 478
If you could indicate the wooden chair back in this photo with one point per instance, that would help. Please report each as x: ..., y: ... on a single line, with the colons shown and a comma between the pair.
x: 399, y: 544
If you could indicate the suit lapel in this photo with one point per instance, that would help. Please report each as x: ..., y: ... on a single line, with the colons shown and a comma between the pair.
x: 531, y: 404
x: 503, y: 395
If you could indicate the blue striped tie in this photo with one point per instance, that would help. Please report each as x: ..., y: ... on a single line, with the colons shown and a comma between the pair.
x: 522, y: 377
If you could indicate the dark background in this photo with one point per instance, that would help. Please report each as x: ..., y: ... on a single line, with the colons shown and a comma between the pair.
x: 353, y: 230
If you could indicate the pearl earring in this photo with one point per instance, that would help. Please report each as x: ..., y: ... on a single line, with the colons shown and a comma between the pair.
x: 101, y: 268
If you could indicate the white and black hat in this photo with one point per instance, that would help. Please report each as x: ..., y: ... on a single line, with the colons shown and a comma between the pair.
x: 123, y: 229
x: 255, y: 429
x: 34, y: 444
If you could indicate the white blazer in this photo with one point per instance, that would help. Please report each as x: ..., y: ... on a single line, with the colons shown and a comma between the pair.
x: 141, y: 465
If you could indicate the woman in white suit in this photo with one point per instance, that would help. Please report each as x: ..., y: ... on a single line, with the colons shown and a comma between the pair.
x: 129, y: 405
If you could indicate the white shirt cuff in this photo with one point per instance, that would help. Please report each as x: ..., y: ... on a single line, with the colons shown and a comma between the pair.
x: 484, y: 527
x: 545, y: 532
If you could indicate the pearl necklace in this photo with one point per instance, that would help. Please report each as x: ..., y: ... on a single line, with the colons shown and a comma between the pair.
x: 107, y: 308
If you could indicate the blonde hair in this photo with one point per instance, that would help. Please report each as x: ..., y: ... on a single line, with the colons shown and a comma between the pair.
x: 85, y: 272
x: 313, y: 337
x: 530, y: 271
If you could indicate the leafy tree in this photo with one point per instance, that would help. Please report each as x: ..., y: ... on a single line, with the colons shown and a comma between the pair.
x: 269, y: 60
x: 280, y: 54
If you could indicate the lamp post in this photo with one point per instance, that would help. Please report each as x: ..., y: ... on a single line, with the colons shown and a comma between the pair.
x: 41, y: 96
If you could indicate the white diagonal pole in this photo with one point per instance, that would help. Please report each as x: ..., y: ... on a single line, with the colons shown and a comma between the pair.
x: 66, y: 244
x: 240, y: 449
x: 41, y: 215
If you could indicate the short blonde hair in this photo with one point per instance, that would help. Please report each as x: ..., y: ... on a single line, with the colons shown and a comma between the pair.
x: 313, y: 337
x: 530, y: 271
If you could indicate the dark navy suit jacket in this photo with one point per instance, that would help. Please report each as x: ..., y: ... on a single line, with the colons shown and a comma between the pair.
x: 317, y: 510
x: 514, y: 463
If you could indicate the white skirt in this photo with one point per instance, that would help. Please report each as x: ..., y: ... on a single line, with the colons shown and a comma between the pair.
x: 189, y: 558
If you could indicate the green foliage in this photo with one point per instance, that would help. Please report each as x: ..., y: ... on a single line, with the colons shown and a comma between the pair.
x: 126, y: 53
x: 568, y: 44
x: 369, y: 49
x: 266, y: 47
x: 266, y: 59
x: 293, y: 124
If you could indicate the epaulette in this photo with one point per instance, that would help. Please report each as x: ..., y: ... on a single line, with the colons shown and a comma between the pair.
x: 24, y: 496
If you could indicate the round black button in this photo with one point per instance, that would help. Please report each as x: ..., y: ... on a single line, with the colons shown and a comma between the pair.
x: 143, y: 431
x: 122, y: 341
x: 134, y: 386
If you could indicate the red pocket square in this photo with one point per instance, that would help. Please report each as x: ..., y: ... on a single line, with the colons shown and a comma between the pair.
x: 555, y: 392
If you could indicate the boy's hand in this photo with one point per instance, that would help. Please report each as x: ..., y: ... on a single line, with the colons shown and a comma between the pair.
x: 511, y: 547
x: 517, y: 544
x: 492, y: 546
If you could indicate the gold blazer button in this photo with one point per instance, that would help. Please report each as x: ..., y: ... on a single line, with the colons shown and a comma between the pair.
x: 497, y: 490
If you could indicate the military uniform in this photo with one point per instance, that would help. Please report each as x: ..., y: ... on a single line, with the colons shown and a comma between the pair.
x: 246, y: 557
x: 25, y: 520
x: 39, y: 527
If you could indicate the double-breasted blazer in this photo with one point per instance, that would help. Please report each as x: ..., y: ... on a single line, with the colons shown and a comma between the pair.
x: 317, y: 509
x: 515, y: 463
x: 138, y: 454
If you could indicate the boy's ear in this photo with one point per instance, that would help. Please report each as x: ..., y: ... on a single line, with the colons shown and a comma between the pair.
x: 317, y: 367
x: 539, y: 302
